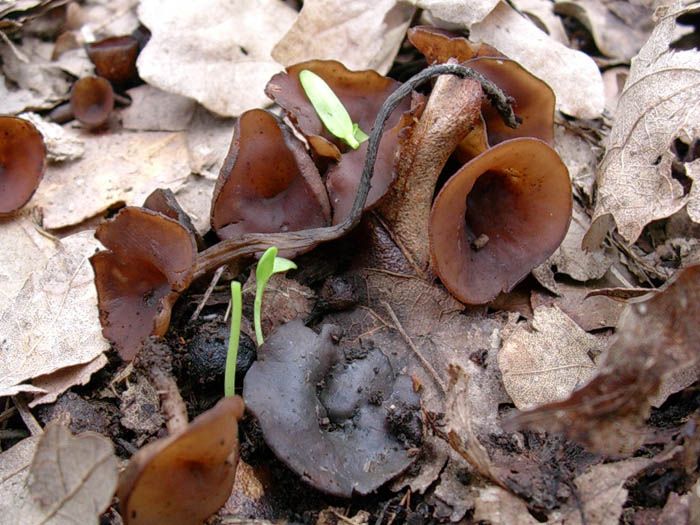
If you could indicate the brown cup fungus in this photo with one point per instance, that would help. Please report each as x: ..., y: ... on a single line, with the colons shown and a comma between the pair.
x: 499, y: 216
x: 115, y: 58
x: 187, y: 476
x: 22, y: 163
x: 345, y: 423
x: 268, y: 183
x: 92, y: 101
x: 149, y: 262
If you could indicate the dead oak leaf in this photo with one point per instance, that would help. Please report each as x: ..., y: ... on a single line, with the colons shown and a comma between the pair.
x: 361, y: 35
x: 547, y: 364
x: 656, y: 341
x: 659, y: 104
x: 215, y: 52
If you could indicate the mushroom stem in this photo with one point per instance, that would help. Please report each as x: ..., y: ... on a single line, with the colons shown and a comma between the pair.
x: 229, y: 250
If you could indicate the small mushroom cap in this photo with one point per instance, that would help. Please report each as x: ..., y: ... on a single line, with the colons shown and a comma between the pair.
x: 92, y: 100
x: 268, y: 183
x: 361, y: 92
x: 22, y: 163
x: 115, y: 58
x: 186, y: 477
x: 499, y: 216
x: 164, y: 201
x: 339, y: 438
x: 150, y: 260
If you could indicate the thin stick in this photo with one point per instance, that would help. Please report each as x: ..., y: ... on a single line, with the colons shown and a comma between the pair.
x: 228, y: 250
x: 413, y: 347
x: 29, y: 420
x: 207, y: 294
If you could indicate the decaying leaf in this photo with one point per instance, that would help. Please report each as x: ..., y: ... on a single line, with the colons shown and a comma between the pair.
x: 152, y: 109
x: 52, y: 323
x: 456, y: 13
x: 62, y: 143
x: 57, y: 479
x: 500, y: 507
x: 541, y: 12
x: 660, y: 103
x: 547, y: 364
x: 72, y: 477
x: 362, y: 34
x: 215, y: 52
x: 117, y: 167
x: 61, y: 380
x: 656, y: 339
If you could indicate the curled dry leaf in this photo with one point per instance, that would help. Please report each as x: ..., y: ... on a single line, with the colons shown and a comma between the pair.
x: 656, y: 339
x: 660, y: 103
x: 547, y: 364
x: 362, y: 35
x: 457, y: 13
x: 72, y: 476
x: 215, y: 52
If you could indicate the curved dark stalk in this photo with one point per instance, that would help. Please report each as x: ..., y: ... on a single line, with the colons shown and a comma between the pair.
x: 229, y: 250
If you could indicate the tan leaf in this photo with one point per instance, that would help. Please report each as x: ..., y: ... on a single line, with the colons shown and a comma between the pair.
x: 72, y: 478
x: 660, y: 103
x: 117, y: 167
x: 152, y: 109
x: 547, y: 364
x: 215, y: 52
x: 53, y: 321
x: 57, y: 382
x: 499, y: 507
x: 462, y: 14
x: 362, y: 34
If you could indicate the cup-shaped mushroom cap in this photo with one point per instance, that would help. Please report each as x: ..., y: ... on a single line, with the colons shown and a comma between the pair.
x: 332, y: 420
x: 150, y: 260
x: 115, y: 58
x: 361, y: 92
x: 268, y: 182
x: 499, y: 216
x: 22, y: 162
x: 92, y: 100
x: 439, y: 45
x: 186, y: 477
x: 533, y: 101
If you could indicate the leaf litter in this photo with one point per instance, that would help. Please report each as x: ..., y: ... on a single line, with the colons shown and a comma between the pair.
x: 473, y: 367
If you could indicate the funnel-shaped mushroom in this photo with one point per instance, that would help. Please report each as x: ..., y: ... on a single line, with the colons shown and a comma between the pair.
x: 268, y: 183
x: 345, y: 426
x: 150, y: 260
x: 533, y: 98
x: 499, y: 216
x: 115, y: 58
x: 22, y: 162
x: 361, y: 92
x: 186, y: 477
x: 92, y: 101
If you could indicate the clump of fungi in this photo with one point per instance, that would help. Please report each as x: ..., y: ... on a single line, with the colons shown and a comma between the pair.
x: 22, y: 163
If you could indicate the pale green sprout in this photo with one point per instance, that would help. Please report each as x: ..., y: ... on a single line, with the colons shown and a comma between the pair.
x: 268, y: 265
x: 331, y: 110
x: 234, y: 336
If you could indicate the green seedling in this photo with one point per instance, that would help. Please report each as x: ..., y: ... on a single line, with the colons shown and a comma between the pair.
x: 234, y: 336
x: 331, y: 110
x: 268, y: 265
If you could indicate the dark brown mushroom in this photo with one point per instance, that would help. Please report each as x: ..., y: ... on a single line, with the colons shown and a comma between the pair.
x: 533, y: 98
x: 115, y: 58
x: 92, y: 101
x: 187, y: 476
x: 345, y: 425
x: 22, y: 163
x: 164, y: 201
x: 149, y: 262
x: 361, y: 92
x: 268, y: 183
x: 499, y: 216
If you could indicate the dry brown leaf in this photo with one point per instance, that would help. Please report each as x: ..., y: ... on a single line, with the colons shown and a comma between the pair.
x: 656, y: 340
x: 152, y: 109
x: 61, y: 380
x: 122, y: 166
x: 53, y: 321
x: 660, y: 103
x: 580, y: 156
x: 693, y: 171
x: 541, y: 12
x: 499, y: 507
x: 362, y: 34
x: 547, y: 364
x: 456, y: 13
x: 72, y: 478
x: 62, y: 143
x: 24, y: 250
x: 615, y: 37
x: 215, y: 52
x: 14, y: 470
